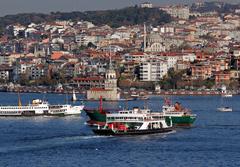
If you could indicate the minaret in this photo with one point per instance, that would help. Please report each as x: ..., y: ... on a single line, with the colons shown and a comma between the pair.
x: 145, y: 38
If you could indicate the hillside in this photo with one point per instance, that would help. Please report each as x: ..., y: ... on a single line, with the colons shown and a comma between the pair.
x: 114, y: 18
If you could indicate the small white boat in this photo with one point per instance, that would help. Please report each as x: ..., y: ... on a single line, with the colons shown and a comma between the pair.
x: 225, y: 109
x: 227, y: 95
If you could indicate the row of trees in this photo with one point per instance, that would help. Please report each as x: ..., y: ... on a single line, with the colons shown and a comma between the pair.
x: 114, y: 18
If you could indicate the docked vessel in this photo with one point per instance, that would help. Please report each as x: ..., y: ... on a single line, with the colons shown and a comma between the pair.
x: 37, y: 107
x: 179, y: 116
x: 133, y: 122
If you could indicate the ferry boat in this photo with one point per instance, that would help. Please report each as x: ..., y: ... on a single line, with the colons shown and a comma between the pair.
x: 37, y: 107
x: 179, y: 116
x: 133, y: 122
x: 64, y: 110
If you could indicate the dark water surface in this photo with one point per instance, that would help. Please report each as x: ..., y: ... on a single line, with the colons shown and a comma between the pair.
x: 68, y: 141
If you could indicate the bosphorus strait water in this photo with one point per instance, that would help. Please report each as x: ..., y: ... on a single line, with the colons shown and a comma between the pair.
x: 214, y: 140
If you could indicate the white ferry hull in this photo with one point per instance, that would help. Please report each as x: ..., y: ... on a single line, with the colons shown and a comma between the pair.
x: 23, y: 110
x: 64, y: 110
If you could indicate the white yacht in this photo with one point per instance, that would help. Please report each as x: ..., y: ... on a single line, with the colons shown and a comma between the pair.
x: 225, y: 109
x: 37, y: 107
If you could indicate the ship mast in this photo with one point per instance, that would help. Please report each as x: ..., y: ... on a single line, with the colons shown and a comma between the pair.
x: 19, y: 100
x: 100, y: 105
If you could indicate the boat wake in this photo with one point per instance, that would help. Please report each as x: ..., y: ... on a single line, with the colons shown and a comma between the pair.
x: 27, y: 145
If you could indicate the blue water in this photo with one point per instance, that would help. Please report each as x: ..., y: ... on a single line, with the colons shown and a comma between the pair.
x: 68, y: 141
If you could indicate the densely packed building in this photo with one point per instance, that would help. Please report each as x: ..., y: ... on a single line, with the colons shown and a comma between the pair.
x: 205, y: 46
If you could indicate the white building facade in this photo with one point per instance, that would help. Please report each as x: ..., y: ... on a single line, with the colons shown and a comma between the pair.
x: 153, y: 70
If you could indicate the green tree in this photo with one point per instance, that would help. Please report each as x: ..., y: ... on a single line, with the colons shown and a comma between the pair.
x: 171, y: 80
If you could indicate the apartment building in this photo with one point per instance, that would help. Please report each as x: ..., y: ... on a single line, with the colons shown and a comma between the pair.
x: 153, y: 70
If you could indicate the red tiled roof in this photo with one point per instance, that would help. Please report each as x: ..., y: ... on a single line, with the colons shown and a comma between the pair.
x: 88, y: 79
x: 56, y: 55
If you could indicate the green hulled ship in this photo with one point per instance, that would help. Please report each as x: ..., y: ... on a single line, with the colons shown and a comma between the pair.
x: 178, y: 115
x: 96, y: 117
x: 186, y: 120
x: 178, y: 118
x: 174, y: 114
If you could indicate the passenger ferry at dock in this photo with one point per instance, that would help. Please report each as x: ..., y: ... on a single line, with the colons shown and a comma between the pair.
x: 37, y: 107
x: 133, y: 122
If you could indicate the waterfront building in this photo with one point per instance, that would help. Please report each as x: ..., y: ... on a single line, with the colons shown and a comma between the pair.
x: 222, y: 77
x: 89, y: 82
x: 201, y: 71
x: 153, y: 70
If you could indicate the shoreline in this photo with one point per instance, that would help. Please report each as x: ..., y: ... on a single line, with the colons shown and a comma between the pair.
x: 127, y: 94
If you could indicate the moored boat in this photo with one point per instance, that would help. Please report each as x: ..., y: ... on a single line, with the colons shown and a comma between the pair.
x: 133, y: 122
